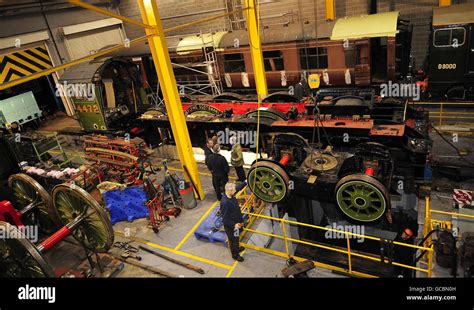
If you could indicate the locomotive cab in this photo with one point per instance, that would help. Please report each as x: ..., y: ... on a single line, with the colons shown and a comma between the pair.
x: 451, y: 58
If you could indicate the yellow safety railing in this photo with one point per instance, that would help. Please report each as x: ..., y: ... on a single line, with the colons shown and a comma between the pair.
x: 347, y: 250
x: 431, y: 223
x: 442, y: 115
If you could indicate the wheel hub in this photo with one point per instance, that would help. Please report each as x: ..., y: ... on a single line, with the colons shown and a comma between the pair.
x: 362, y: 197
x: 26, y: 190
x: 268, y: 181
x: 320, y: 162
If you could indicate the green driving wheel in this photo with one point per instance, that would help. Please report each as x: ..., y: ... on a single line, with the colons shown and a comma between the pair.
x: 95, y: 231
x: 26, y: 191
x: 362, y: 197
x: 19, y: 258
x: 268, y: 181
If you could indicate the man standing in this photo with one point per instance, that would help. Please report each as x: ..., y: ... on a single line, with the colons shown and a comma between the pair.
x: 237, y: 159
x: 219, y: 168
x: 301, y: 89
x: 232, y: 219
x: 208, y: 150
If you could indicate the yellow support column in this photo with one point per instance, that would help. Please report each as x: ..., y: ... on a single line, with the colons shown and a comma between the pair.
x: 253, y: 29
x: 330, y: 11
x: 444, y: 2
x: 164, y: 69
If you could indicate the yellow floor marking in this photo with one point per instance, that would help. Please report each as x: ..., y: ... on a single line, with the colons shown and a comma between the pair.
x: 229, y: 273
x: 196, y: 225
x: 181, y: 253
x: 201, y: 173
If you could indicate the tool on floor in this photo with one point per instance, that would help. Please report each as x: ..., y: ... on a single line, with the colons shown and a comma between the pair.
x: 297, y: 269
x: 128, y: 254
x: 185, y: 265
x: 145, y: 267
x: 126, y: 246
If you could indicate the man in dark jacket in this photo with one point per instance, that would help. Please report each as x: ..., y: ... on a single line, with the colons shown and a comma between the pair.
x: 208, y: 150
x: 219, y: 168
x: 232, y: 218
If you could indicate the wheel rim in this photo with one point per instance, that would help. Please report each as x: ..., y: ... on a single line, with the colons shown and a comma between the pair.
x: 19, y: 258
x: 268, y: 181
x: 95, y: 231
x: 362, y: 197
x: 27, y: 190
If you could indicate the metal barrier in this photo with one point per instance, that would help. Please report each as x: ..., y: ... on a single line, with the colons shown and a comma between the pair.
x: 449, y: 115
x: 347, y: 250
x: 430, y: 223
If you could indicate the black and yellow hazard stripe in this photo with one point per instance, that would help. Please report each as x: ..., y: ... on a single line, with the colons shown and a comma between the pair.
x: 23, y: 63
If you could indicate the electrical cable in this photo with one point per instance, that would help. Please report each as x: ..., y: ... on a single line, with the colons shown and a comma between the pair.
x: 461, y: 156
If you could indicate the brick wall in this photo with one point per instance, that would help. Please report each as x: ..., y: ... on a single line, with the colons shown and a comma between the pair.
x: 419, y: 12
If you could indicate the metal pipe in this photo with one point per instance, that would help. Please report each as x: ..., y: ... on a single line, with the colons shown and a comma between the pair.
x: 161, y: 58
x: 109, y: 50
x: 253, y: 29
x: 50, y: 33
x: 330, y: 11
x: 444, y: 2
x: 17, y: 9
x: 194, y: 13
x: 62, y: 233
x: 203, y: 20
x: 93, y: 8
x: 28, y: 208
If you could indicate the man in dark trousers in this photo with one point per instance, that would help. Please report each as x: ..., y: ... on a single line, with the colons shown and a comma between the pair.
x: 219, y: 168
x: 208, y: 150
x: 232, y: 218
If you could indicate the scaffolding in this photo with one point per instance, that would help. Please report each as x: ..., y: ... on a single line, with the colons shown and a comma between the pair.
x: 207, y: 79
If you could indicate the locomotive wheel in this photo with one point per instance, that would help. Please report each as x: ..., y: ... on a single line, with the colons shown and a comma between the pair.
x: 362, y: 197
x: 26, y: 190
x: 19, y: 258
x: 95, y: 231
x: 268, y: 181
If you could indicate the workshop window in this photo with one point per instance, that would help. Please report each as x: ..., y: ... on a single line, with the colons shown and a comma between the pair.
x: 273, y: 61
x: 234, y: 63
x: 314, y: 58
x: 449, y: 37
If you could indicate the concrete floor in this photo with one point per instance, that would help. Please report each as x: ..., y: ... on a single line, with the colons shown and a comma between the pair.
x: 177, y: 240
x: 176, y: 231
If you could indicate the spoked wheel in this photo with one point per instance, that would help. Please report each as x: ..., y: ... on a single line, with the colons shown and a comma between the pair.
x: 95, y: 231
x: 362, y: 197
x: 268, y: 181
x: 26, y: 191
x: 19, y: 258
